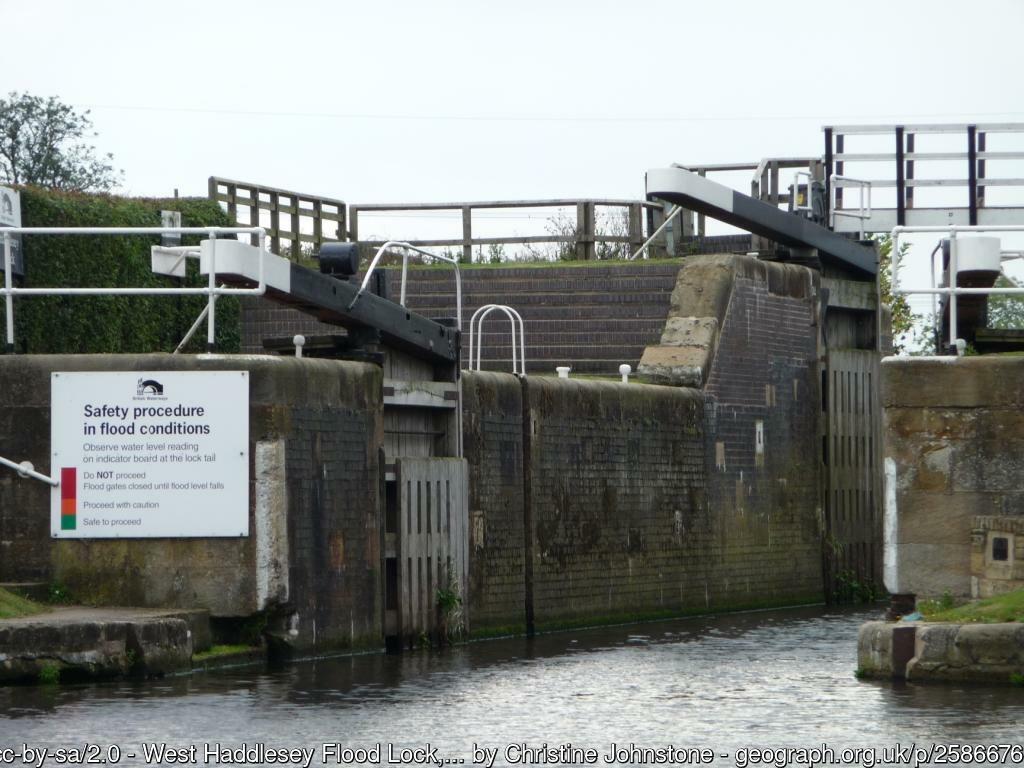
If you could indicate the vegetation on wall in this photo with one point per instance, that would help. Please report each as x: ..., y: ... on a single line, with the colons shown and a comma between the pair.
x: 111, y: 324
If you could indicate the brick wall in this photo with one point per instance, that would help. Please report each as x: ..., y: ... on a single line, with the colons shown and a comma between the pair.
x: 765, y: 372
x: 629, y: 515
x: 592, y: 317
x: 333, y: 471
x: 493, y: 445
x: 328, y: 416
x: 620, y: 524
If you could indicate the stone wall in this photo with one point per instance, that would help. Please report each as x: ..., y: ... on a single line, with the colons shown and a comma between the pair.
x: 954, y: 435
x: 922, y: 652
x: 312, y: 557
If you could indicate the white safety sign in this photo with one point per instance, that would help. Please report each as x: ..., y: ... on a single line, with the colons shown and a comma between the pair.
x: 150, y: 454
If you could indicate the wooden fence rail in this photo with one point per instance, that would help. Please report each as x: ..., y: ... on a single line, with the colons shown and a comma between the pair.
x: 585, y: 237
x: 307, y: 219
x: 295, y: 220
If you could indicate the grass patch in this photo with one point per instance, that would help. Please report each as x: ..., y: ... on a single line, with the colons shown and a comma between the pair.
x: 219, y: 651
x: 991, y: 610
x: 12, y: 606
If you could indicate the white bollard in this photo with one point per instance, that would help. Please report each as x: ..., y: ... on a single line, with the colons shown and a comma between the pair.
x: 625, y: 370
x: 299, y: 341
x: 563, y: 371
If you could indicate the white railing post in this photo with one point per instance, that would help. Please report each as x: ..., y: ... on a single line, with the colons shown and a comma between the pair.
x: 952, y: 289
x: 476, y: 323
x: 954, y: 284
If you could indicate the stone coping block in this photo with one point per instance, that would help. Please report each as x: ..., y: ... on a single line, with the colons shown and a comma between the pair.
x: 83, y: 643
x: 983, y: 653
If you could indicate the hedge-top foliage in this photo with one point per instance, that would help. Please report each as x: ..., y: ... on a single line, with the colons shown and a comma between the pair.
x: 94, y: 324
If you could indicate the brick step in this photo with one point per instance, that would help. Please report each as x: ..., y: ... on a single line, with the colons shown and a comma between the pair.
x: 595, y: 335
x: 605, y: 285
x: 526, y: 272
x: 539, y: 332
x: 556, y: 298
x: 568, y: 313
x: 591, y: 351
x: 606, y: 367
x: 561, y: 310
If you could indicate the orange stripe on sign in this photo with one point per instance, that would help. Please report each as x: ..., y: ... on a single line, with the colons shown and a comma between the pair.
x: 67, y: 507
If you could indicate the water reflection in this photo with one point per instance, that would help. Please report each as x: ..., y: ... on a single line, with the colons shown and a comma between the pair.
x: 763, y: 679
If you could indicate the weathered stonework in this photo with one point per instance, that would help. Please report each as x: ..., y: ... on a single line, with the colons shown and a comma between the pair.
x: 73, y: 643
x: 997, y: 555
x: 954, y: 432
x: 992, y: 653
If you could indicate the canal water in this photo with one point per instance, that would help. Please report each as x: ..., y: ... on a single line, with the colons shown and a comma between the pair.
x: 728, y: 684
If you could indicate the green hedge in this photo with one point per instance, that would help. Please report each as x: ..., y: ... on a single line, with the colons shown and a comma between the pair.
x: 94, y: 324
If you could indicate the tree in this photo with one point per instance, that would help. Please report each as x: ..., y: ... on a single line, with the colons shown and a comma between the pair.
x: 902, y: 317
x: 1005, y: 310
x: 45, y: 142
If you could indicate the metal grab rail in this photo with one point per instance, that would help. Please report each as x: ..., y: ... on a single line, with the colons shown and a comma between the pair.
x: 952, y: 290
x: 863, y: 213
x: 512, y: 316
x: 405, y: 270
x: 211, y: 291
x: 25, y: 469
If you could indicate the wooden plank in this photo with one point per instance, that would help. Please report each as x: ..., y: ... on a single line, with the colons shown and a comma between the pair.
x: 420, y: 394
x: 550, y: 203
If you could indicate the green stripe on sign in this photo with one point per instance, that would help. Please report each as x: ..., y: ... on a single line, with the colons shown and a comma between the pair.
x: 68, y: 522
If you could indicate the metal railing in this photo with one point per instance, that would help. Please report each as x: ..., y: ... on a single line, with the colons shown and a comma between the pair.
x: 764, y: 184
x: 406, y: 247
x: 477, y: 320
x: 906, y: 158
x: 863, y: 210
x: 210, y: 290
x: 952, y: 290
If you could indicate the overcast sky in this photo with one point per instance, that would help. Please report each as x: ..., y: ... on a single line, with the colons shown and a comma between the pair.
x: 398, y: 101
x: 438, y: 101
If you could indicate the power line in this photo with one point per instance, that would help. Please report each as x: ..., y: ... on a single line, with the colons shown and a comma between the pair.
x: 520, y: 118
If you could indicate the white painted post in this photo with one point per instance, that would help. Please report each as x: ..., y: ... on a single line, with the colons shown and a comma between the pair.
x: 563, y: 371
x: 625, y: 370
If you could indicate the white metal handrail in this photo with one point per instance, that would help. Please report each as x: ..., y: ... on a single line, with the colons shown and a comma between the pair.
x: 808, y: 202
x: 405, y: 270
x: 863, y: 212
x: 952, y: 290
x: 25, y: 469
x: 211, y: 291
x: 476, y: 322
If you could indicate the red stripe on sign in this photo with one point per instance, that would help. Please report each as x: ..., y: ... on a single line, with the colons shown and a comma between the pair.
x: 68, y: 484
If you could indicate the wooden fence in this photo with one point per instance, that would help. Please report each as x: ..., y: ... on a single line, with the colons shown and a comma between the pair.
x: 583, y: 238
x: 295, y: 220
x: 290, y: 216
